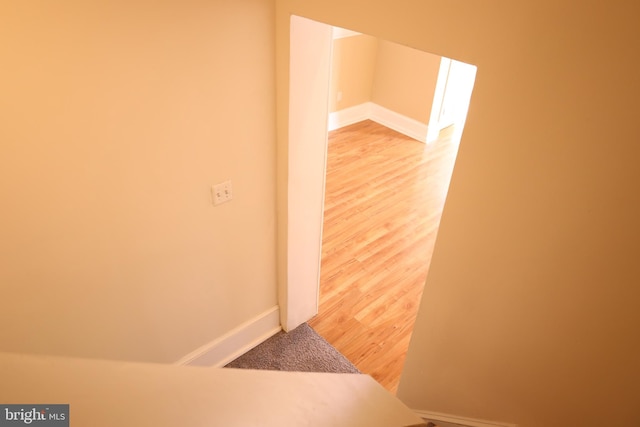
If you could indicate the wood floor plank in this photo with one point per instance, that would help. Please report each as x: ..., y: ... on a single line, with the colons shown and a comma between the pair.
x: 384, y: 198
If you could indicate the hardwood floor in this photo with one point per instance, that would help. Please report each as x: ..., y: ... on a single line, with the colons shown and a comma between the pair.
x: 384, y: 198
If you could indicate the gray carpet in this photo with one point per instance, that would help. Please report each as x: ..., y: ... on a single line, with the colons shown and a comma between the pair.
x: 300, y: 350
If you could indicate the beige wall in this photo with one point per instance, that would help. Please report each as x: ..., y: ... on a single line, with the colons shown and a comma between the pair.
x: 396, y: 77
x: 352, y: 70
x: 530, y: 310
x: 117, y: 117
x: 405, y: 80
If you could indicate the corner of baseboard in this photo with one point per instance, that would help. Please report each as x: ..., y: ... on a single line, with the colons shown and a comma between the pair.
x: 400, y: 123
x: 458, y: 420
x: 349, y: 116
x: 236, y: 342
x: 379, y: 114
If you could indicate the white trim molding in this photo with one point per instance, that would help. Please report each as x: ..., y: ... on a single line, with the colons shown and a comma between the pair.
x: 236, y: 342
x: 349, y: 116
x: 379, y: 114
x: 396, y: 121
x: 462, y: 421
x: 341, y: 33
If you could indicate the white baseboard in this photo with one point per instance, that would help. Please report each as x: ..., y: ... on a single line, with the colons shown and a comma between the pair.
x: 236, y: 342
x: 379, y: 114
x: 349, y: 116
x: 396, y: 121
x: 463, y: 421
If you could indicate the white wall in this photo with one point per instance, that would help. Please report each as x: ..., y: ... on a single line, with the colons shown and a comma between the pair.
x: 529, y: 314
x: 116, y: 119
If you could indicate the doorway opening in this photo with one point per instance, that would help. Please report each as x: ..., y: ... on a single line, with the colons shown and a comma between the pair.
x: 389, y: 158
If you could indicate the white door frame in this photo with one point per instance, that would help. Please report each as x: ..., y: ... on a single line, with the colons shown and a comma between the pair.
x: 309, y: 79
x: 309, y: 76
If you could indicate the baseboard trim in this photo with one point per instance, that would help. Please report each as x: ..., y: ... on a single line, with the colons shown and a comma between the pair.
x: 396, y: 121
x: 464, y: 421
x: 236, y: 342
x: 349, y: 116
x: 379, y: 114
